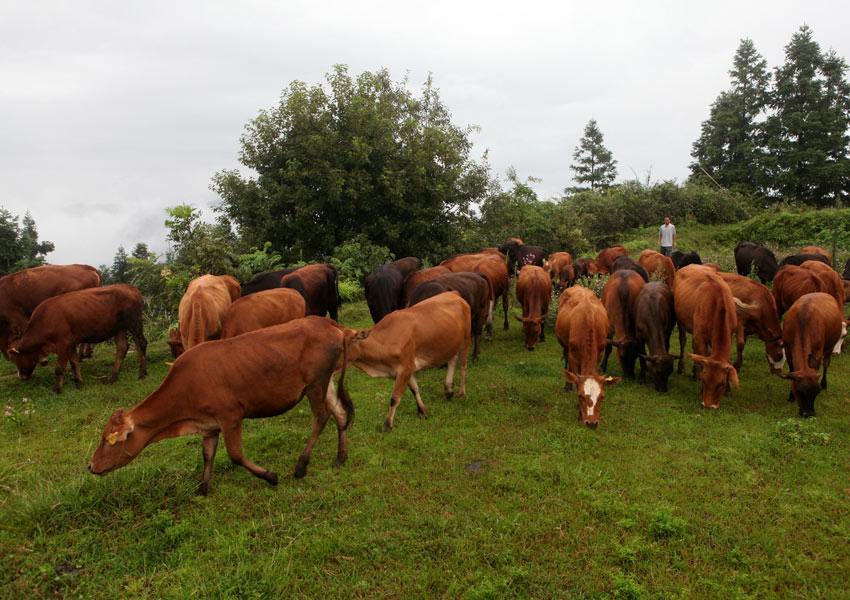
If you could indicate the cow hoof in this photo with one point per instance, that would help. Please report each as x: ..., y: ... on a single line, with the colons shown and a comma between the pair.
x: 386, y: 427
x: 271, y: 477
x: 57, y: 390
x: 203, y: 489
x: 300, y: 470
x: 568, y: 387
x: 449, y: 394
x: 423, y: 416
x: 340, y: 460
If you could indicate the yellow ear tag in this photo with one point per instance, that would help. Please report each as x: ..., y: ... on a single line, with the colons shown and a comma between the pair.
x: 112, y: 438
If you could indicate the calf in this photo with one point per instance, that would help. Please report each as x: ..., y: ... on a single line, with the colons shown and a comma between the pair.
x: 655, y: 262
x: 201, y: 310
x: 429, y: 334
x: 86, y: 316
x: 626, y: 263
x: 475, y: 288
x: 22, y: 292
x: 792, y: 282
x: 414, y: 279
x: 618, y: 297
x: 705, y: 307
x: 497, y: 272
x: 813, y: 328
x: 581, y: 330
x: 262, y: 309
x: 533, y: 290
x: 319, y: 285
x: 606, y: 258
x: 213, y: 387
x: 654, y: 318
x: 585, y: 267
x: 557, y: 262
x: 749, y: 255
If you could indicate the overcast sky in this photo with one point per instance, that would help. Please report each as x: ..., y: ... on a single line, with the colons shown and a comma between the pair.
x: 112, y: 111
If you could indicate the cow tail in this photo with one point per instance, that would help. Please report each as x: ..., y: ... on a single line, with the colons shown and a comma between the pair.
x: 338, y: 300
x: 342, y: 393
x: 195, y: 335
x: 492, y: 298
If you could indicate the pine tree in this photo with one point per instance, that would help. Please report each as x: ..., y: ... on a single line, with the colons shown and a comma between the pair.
x: 807, y: 134
x: 731, y: 147
x: 594, y: 163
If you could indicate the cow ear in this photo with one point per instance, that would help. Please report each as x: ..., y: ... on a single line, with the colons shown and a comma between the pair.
x: 701, y: 360
x: 518, y: 318
x: 611, y: 381
x: 360, y: 335
x: 733, y: 376
x: 571, y: 377
x: 542, y: 319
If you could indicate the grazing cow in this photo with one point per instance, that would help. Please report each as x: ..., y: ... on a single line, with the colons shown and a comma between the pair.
x: 655, y: 262
x: 581, y: 330
x: 212, y: 388
x: 760, y: 319
x: 533, y: 290
x: 407, y: 265
x: 464, y: 263
x: 262, y: 309
x: 201, y: 310
x: 566, y: 277
x: 267, y: 280
x: 319, y: 284
x: 705, y: 307
x: 618, y: 297
x: 519, y: 255
x: 384, y: 289
x: 606, y: 258
x: 22, y: 292
x: 414, y: 279
x: 654, y: 318
x: 749, y: 255
x: 832, y: 283
x: 557, y: 262
x: 429, y: 334
x: 818, y: 250
x: 799, y: 259
x: 87, y: 316
x: 681, y: 259
x: 626, y: 263
x: 585, y: 267
x: 475, y: 288
x: 497, y: 272
x: 814, y: 327
x: 792, y: 282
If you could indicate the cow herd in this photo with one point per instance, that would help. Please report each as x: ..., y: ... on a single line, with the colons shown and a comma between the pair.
x: 255, y: 349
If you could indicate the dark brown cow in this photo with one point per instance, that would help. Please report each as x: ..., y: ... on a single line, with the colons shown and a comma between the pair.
x: 88, y: 316
x: 760, y: 318
x: 792, y: 282
x: 534, y: 291
x: 799, y: 259
x: 817, y: 250
x: 429, y: 334
x: 558, y: 261
x: 581, y: 330
x: 414, y: 279
x: 519, y: 255
x: 832, y: 283
x: 22, y: 292
x: 201, y: 310
x: 497, y: 272
x: 705, y: 307
x: 267, y: 280
x: 606, y: 258
x: 748, y: 255
x: 655, y: 262
x: 654, y: 318
x: 618, y: 297
x: 627, y: 263
x: 407, y: 265
x: 585, y: 267
x: 384, y: 290
x: 683, y: 259
x: 319, y: 284
x: 475, y: 288
x: 262, y: 309
x: 211, y: 388
x: 814, y: 328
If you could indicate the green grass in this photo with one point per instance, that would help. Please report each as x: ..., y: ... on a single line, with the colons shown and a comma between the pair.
x: 502, y: 494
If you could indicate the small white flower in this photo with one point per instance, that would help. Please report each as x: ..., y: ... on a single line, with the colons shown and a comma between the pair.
x: 8, y: 414
x: 24, y: 400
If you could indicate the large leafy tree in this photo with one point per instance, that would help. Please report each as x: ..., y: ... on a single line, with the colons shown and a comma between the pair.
x: 807, y: 132
x: 351, y: 157
x: 594, y: 164
x: 731, y: 147
x: 19, y: 245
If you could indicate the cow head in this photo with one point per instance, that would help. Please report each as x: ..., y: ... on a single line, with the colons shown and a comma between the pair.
x: 590, y: 395
x: 117, y: 445
x: 660, y: 366
x: 26, y: 360
x: 175, y: 343
x: 715, y: 377
x: 531, y: 326
x: 804, y: 386
x: 775, y: 353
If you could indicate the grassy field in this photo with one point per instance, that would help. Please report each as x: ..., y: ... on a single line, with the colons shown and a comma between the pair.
x: 502, y: 494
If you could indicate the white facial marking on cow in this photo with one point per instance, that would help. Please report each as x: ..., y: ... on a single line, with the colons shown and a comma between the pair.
x: 837, y: 348
x: 778, y: 364
x: 592, y: 390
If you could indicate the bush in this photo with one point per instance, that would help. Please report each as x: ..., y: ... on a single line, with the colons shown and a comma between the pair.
x: 829, y: 228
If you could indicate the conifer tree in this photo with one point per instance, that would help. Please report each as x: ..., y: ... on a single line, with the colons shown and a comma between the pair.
x: 594, y: 164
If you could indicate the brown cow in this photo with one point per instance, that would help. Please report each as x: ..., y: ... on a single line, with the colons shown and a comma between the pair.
x: 606, y: 258
x: 415, y: 279
x: 201, y: 310
x: 262, y: 309
x: 585, y: 267
x: 534, y: 291
x: 581, y: 330
x: 88, y: 316
x: 817, y: 250
x: 407, y: 265
x: 832, y: 283
x: 22, y: 292
x: 761, y: 319
x: 213, y: 387
x: 655, y: 262
x: 792, y: 282
x: 618, y: 298
x: 813, y: 328
x: 557, y: 262
x: 464, y: 262
x: 319, y: 284
x: 429, y: 334
x: 496, y: 271
x: 654, y: 320
x: 705, y: 307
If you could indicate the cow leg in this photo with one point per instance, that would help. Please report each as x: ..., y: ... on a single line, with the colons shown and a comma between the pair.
x: 505, y: 302
x: 642, y: 351
x: 826, y: 358
x: 341, y: 418
x: 321, y: 414
x: 462, y: 358
x: 141, y: 349
x: 542, y: 333
x: 401, y: 382
x: 121, y: 347
x: 477, y: 338
x: 75, y: 364
x: 604, y: 366
x: 791, y: 397
x: 683, y: 339
x: 414, y: 388
x: 59, y: 369
x: 567, y: 385
x: 740, y: 342
x: 450, y: 378
x: 208, y: 447
x: 232, y: 433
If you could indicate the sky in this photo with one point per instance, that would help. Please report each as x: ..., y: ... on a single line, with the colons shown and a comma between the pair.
x: 113, y: 111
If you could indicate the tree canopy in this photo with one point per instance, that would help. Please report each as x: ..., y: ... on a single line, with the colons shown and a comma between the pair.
x: 594, y: 164
x: 19, y: 245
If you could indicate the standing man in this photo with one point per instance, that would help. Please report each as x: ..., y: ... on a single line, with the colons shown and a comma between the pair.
x: 667, y: 237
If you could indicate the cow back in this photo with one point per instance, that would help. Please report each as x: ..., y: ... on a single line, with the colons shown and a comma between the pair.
x: 606, y: 257
x: 202, y: 308
x: 582, y: 327
x: 407, y: 265
x: 414, y: 279
x: 319, y: 285
x: 792, y: 282
x: 832, y: 283
x: 799, y: 259
x: 655, y: 262
x: 267, y: 280
x: 618, y: 297
x: 384, y: 289
x: 817, y: 250
x: 262, y: 309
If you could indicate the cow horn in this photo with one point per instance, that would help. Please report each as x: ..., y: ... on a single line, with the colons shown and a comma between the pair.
x: 14, y: 350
